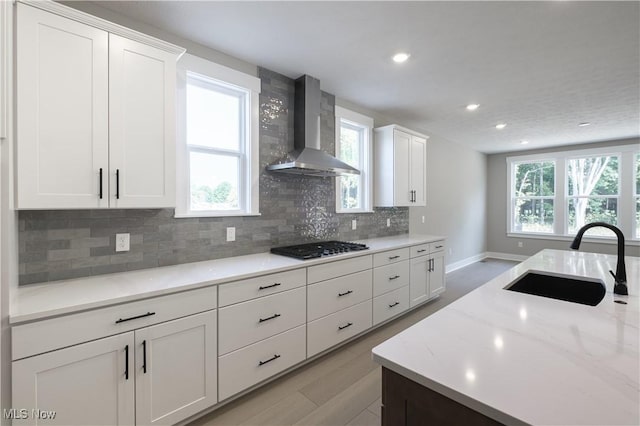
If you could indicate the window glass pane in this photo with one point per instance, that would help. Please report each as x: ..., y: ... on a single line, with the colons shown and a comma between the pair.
x: 637, y: 217
x: 587, y: 210
x: 350, y: 192
x: 214, y: 181
x: 214, y: 115
x: 534, y: 179
x: 593, y: 176
x: 350, y: 138
x: 533, y: 215
x: 637, y: 174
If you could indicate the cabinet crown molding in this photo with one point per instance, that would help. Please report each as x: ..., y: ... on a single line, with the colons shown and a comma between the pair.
x: 94, y: 21
x: 401, y: 128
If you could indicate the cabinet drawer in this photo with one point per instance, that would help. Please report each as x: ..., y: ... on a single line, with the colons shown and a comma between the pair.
x: 248, y: 322
x: 391, y: 256
x: 337, y: 269
x: 244, y: 368
x: 330, y: 296
x: 420, y: 250
x: 46, y: 335
x: 436, y: 246
x: 241, y: 291
x: 390, y: 277
x: 335, y: 328
x: 390, y: 304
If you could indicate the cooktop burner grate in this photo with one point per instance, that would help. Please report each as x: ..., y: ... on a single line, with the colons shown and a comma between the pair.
x: 318, y: 249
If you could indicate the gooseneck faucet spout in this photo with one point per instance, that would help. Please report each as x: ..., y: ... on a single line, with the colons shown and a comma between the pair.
x: 620, y: 277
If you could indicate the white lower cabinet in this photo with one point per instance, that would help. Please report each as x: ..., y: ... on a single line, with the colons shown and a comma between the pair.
x: 92, y: 383
x: 328, y: 331
x: 160, y: 374
x: 390, y: 304
x: 419, y: 287
x: 252, y: 364
x: 427, y: 273
x: 436, y: 275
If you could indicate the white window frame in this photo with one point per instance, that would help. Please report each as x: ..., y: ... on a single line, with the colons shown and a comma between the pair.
x: 636, y: 195
x: 248, y: 194
x: 352, y: 118
x: 512, y: 195
x: 626, y: 198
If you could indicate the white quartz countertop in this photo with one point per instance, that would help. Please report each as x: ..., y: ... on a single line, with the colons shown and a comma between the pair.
x: 524, y: 359
x: 39, y: 301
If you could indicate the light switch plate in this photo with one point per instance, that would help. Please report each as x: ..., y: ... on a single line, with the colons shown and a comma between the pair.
x: 231, y: 233
x: 122, y: 242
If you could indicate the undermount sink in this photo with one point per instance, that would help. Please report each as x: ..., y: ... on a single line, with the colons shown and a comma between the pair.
x: 577, y: 290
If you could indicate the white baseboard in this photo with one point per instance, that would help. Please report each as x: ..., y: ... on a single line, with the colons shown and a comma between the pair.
x: 478, y: 257
x: 506, y: 256
x: 464, y: 262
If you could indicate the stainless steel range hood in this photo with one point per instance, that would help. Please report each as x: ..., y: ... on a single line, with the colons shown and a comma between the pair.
x: 307, y: 158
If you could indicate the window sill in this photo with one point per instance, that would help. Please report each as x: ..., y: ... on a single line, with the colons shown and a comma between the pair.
x: 230, y: 214
x: 586, y: 239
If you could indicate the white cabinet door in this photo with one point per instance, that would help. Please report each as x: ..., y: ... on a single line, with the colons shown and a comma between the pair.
x: 419, y: 280
x: 401, y: 149
x: 436, y: 275
x: 176, y: 369
x: 141, y: 124
x: 418, y: 178
x: 91, y: 383
x: 62, y: 112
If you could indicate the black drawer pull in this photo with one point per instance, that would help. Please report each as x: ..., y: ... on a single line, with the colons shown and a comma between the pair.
x: 393, y: 257
x: 394, y: 304
x: 394, y: 278
x: 439, y: 246
x: 269, y: 318
x: 422, y: 251
x: 349, y: 324
x: 273, y: 358
x: 148, y: 314
x: 264, y: 287
x: 345, y: 293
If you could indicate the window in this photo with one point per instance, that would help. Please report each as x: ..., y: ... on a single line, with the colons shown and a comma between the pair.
x: 533, y: 196
x: 217, y: 140
x: 353, y: 146
x: 593, y: 192
x: 553, y: 195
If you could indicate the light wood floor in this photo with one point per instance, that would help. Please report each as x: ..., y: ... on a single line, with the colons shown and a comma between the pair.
x: 344, y: 386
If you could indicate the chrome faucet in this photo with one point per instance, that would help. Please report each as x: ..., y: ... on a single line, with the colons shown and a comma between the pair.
x: 620, y: 277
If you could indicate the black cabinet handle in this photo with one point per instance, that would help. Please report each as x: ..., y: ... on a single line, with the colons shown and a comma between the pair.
x: 144, y: 356
x: 345, y: 293
x: 269, y: 318
x: 349, y: 324
x: 393, y: 257
x: 273, y: 358
x: 439, y: 246
x: 264, y: 287
x: 117, y: 184
x: 394, y: 304
x: 430, y: 265
x: 148, y: 314
x: 126, y: 363
x: 422, y: 251
x: 100, y: 179
x: 394, y: 278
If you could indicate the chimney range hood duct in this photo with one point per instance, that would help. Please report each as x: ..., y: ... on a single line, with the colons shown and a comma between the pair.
x: 307, y: 158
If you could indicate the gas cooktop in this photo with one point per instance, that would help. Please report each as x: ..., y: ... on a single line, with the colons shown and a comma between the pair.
x: 318, y: 249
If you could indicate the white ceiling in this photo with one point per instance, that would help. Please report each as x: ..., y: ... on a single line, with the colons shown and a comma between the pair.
x: 540, y: 67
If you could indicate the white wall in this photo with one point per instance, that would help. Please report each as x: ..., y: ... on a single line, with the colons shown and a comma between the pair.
x: 456, y: 199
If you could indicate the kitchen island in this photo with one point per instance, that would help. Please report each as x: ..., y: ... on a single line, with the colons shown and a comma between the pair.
x: 498, y: 356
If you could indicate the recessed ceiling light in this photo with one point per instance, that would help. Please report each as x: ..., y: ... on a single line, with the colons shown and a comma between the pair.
x: 473, y: 107
x: 501, y: 126
x: 584, y: 124
x: 400, y: 57
x: 524, y: 142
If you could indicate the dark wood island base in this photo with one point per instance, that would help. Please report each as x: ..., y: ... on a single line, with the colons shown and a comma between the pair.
x: 405, y: 402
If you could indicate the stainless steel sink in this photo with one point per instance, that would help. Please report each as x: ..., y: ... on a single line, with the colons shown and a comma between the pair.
x: 577, y: 290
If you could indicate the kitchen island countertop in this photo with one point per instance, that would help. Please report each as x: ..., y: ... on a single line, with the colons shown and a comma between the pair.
x: 524, y: 359
x: 40, y: 301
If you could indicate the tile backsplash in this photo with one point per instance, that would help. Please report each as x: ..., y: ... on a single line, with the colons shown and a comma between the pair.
x: 62, y: 244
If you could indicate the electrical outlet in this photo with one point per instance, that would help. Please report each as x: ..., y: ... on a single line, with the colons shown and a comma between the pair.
x: 520, y: 244
x: 422, y: 219
x: 354, y: 224
x: 388, y: 223
x: 122, y: 242
x: 231, y: 233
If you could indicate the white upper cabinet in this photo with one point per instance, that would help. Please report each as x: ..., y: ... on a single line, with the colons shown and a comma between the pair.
x: 95, y: 113
x: 400, y: 163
